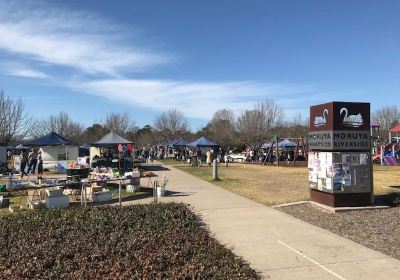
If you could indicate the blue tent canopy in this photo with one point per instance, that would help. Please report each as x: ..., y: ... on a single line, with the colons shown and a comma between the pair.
x: 286, y: 143
x: 266, y: 145
x: 51, y: 139
x: 171, y: 143
x: 179, y: 143
x: 203, y: 142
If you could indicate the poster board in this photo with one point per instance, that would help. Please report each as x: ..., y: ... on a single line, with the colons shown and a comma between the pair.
x: 339, y: 172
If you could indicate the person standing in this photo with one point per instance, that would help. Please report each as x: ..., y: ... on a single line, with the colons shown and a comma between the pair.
x: 40, y: 163
x: 24, y: 161
x: 32, y: 161
x: 198, y: 154
x: 208, y: 159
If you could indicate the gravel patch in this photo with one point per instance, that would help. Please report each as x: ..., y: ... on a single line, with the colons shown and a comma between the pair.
x: 375, y: 229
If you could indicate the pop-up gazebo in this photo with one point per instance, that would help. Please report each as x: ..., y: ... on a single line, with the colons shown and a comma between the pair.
x: 178, y: 143
x: 203, y: 142
x: 286, y: 143
x: 56, y: 150
x: 109, y: 142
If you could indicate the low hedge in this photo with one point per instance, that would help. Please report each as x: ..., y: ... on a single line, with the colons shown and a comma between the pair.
x: 157, y: 241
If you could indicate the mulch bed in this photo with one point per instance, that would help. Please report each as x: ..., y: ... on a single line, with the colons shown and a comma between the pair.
x: 375, y: 229
x: 157, y: 241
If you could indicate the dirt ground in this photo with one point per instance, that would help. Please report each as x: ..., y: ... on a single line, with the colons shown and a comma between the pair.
x: 273, y: 185
x: 375, y: 229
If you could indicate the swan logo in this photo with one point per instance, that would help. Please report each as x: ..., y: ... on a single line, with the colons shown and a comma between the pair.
x: 321, y: 120
x: 351, y: 120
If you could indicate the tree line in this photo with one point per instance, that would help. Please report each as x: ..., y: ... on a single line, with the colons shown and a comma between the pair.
x: 251, y: 127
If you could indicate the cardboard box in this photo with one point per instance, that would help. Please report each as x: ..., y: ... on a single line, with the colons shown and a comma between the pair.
x: 57, y: 201
x: 36, y: 205
x: 102, y: 196
x: 14, y: 208
x: 54, y: 192
x: 132, y: 188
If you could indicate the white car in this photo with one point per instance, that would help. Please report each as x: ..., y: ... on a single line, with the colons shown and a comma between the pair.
x: 238, y: 157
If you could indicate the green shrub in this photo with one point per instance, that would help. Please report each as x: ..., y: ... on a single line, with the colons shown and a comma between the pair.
x: 157, y: 241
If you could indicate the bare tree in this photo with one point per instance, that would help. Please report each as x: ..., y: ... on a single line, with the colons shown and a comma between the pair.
x: 221, y: 128
x: 14, y: 122
x: 299, y: 126
x: 121, y: 124
x: 255, y: 126
x: 386, y: 117
x: 61, y: 124
x: 171, y: 124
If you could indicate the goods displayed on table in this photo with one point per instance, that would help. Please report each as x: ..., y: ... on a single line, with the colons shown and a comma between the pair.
x: 94, y: 187
x: 103, y: 173
x: 78, y: 169
x: 134, y: 184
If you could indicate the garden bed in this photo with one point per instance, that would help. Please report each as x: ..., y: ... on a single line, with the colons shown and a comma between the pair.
x: 376, y: 229
x: 157, y: 241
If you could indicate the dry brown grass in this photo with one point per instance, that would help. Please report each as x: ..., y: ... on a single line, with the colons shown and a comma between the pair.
x: 269, y: 185
x: 384, y: 177
x: 273, y: 185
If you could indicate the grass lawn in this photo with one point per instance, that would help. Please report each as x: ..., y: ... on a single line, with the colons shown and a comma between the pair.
x: 273, y: 185
x: 170, y: 161
x: 269, y: 185
x: 155, y: 241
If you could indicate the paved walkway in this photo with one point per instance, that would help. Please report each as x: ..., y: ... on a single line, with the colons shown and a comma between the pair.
x: 274, y: 243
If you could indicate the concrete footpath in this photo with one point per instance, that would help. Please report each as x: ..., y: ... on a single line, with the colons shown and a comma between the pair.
x: 274, y: 243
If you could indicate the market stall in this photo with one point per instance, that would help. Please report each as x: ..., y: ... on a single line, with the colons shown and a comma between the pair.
x: 112, y: 151
x: 57, y: 151
x: 203, y: 144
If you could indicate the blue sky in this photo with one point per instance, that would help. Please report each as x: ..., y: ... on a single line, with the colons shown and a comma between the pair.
x: 89, y: 58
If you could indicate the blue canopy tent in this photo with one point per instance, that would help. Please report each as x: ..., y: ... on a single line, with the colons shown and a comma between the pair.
x: 203, y: 142
x: 51, y: 139
x: 286, y: 143
x: 179, y: 143
x: 170, y: 143
x: 266, y: 145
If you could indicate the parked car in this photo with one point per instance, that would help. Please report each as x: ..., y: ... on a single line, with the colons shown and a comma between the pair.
x: 238, y: 157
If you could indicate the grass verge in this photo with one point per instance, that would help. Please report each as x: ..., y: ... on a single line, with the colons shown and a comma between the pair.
x: 272, y: 185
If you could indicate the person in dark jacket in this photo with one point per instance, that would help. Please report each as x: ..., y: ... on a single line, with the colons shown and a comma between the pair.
x: 24, y: 161
x: 33, y: 158
x: 40, y: 163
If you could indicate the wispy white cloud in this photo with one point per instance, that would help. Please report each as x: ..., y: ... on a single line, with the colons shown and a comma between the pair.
x: 100, y: 53
x: 21, y: 70
x: 81, y: 40
x: 197, y: 100
x: 29, y: 73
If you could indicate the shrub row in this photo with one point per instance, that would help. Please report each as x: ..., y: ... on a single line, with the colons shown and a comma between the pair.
x: 157, y: 241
